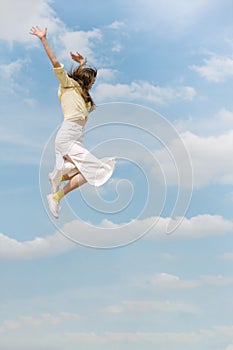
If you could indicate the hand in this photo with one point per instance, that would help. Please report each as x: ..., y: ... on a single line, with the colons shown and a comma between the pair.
x: 38, y: 32
x: 77, y: 57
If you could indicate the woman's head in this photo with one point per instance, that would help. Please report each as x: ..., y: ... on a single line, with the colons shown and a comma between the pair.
x: 85, y: 76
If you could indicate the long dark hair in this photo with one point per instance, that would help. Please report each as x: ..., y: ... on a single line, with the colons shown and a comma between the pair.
x: 84, y: 77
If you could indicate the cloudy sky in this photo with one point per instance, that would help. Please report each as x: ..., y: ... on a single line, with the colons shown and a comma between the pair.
x: 146, y: 260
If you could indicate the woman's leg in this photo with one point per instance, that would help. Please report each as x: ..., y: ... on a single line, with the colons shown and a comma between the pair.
x: 75, y: 182
x: 54, y: 199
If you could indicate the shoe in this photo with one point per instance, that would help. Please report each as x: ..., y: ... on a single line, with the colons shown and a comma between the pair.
x: 54, y: 182
x: 53, y: 205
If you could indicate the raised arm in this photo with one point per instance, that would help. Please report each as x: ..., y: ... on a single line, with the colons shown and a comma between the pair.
x: 41, y: 34
x: 77, y: 57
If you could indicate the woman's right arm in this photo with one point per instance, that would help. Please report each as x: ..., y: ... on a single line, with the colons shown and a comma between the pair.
x: 42, y: 36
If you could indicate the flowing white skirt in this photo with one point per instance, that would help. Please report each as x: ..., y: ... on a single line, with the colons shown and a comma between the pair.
x: 69, y: 142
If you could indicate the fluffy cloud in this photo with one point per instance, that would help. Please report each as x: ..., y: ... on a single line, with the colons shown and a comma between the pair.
x: 109, y: 234
x: 173, y: 282
x: 169, y: 17
x: 9, y: 73
x: 45, y: 319
x: 152, y: 306
x: 168, y: 281
x: 171, y: 340
x: 85, y: 337
x: 220, y: 122
x: 196, y: 227
x: 162, y: 340
x: 143, y: 91
x: 229, y: 347
x: 11, y: 249
x: 217, y: 281
x: 116, y: 25
x: 17, y: 17
x: 106, y: 74
x: 86, y: 41
x: 210, y: 158
x: 215, y: 69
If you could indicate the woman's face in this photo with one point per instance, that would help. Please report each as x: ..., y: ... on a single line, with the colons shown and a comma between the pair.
x: 92, y: 82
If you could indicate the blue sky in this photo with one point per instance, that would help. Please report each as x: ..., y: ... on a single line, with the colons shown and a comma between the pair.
x: 165, y: 110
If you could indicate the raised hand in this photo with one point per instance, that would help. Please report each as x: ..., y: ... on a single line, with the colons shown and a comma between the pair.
x: 38, y: 32
x: 77, y: 57
x: 41, y: 34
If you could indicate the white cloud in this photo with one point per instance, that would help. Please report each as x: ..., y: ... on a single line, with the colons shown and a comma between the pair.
x: 173, y: 282
x: 227, y: 256
x: 8, y: 75
x: 226, y: 331
x: 116, y: 25
x: 43, y: 320
x: 225, y: 116
x: 11, y: 249
x: 229, y: 196
x: 31, y: 102
x: 169, y: 17
x: 117, y: 47
x: 85, y: 337
x: 156, y: 227
x: 133, y: 339
x: 215, y: 69
x: 11, y: 325
x: 143, y: 91
x: 196, y: 227
x: 32, y: 321
x: 169, y: 257
x: 164, y: 338
x: 106, y: 74
x: 17, y: 18
x: 156, y: 337
x: 218, y: 281
x: 86, y: 41
x: 210, y: 158
x: 152, y: 306
x: 115, y: 309
x: 168, y: 281
x: 220, y: 122
x: 229, y: 347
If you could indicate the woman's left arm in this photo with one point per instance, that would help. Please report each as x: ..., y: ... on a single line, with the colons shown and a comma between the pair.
x: 77, y: 57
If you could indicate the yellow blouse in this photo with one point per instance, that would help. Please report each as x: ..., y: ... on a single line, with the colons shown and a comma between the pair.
x: 72, y: 103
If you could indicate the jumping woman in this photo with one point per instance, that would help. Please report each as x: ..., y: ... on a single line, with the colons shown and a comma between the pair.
x: 74, y: 163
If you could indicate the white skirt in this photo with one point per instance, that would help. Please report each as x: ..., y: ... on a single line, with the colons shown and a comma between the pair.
x: 69, y: 142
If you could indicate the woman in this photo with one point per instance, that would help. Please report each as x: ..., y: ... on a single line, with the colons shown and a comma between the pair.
x: 73, y: 162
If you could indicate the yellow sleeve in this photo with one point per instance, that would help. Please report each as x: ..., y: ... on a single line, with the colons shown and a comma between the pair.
x: 62, y: 76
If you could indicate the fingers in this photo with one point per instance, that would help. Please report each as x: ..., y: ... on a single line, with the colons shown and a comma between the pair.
x: 75, y: 54
x: 32, y: 31
x: 36, y: 30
